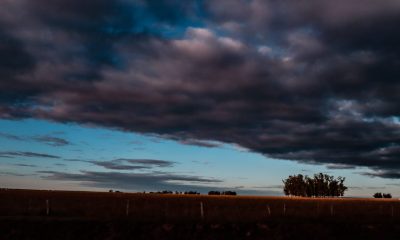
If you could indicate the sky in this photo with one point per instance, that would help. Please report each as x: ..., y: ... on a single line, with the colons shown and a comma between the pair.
x: 141, y: 95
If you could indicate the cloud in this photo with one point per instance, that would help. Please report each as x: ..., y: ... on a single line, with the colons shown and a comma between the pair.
x: 376, y: 187
x: 200, y: 143
x: 394, y: 184
x: 14, y: 174
x: 25, y: 165
x: 52, y: 141
x: 149, y: 162
x: 383, y: 174
x: 132, y: 181
x: 270, y: 187
x: 117, y: 165
x: 128, y: 163
x: 147, y: 182
x: 13, y: 154
x: 11, y: 136
x: 46, y: 139
x: 314, y: 82
x: 340, y: 166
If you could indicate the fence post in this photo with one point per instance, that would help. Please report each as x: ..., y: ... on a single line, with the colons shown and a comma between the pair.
x: 47, y: 207
x: 392, y: 211
x: 127, y: 207
x: 201, y: 210
x: 29, y: 205
x: 269, y: 210
x: 284, y: 209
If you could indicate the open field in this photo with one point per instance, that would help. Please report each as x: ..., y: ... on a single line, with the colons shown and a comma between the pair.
x: 23, y: 209
x: 155, y: 207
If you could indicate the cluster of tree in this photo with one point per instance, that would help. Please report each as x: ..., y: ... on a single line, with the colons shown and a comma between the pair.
x: 222, y: 193
x: 112, y: 191
x: 176, y: 192
x: 321, y: 185
x: 232, y: 193
x: 382, y: 195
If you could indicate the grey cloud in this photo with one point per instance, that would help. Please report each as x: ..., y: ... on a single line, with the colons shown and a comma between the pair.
x: 46, y: 139
x: 25, y: 165
x: 128, y: 163
x: 200, y: 143
x: 52, y: 141
x: 13, y: 154
x: 147, y: 182
x: 149, y: 162
x: 60, y: 164
x: 356, y: 187
x: 393, y: 184
x: 376, y: 187
x: 14, y: 174
x: 270, y: 187
x: 383, y: 174
x: 117, y: 165
x: 131, y: 181
x: 11, y: 136
x: 340, y: 166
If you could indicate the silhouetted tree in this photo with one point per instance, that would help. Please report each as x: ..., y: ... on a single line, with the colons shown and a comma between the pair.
x: 322, y: 185
x: 232, y: 193
x: 295, y: 186
x: 214, y: 193
x: 378, y: 195
x: 387, y: 195
x: 341, y: 188
x: 192, y: 192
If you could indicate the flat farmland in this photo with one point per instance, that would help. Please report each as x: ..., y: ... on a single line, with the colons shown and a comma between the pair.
x: 165, y: 207
x: 22, y: 209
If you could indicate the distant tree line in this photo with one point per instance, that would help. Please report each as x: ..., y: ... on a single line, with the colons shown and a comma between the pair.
x: 175, y: 192
x: 232, y: 193
x: 382, y: 195
x: 321, y: 185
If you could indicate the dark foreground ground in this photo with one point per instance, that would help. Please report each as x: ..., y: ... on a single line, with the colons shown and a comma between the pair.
x: 82, y: 215
x: 120, y: 229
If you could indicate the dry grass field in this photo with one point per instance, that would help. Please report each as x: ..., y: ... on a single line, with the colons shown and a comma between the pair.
x: 160, y: 207
x: 59, y: 209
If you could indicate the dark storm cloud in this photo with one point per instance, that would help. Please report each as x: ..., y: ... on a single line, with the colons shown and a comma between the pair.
x: 384, y: 174
x: 13, y: 154
x: 310, y: 81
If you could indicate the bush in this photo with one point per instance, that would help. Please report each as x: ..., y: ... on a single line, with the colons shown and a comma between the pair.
x: 192, y: 192
x: 378, y: 195
x: 229, y: 193
x: 387, y: 195
x: 214, y: 193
